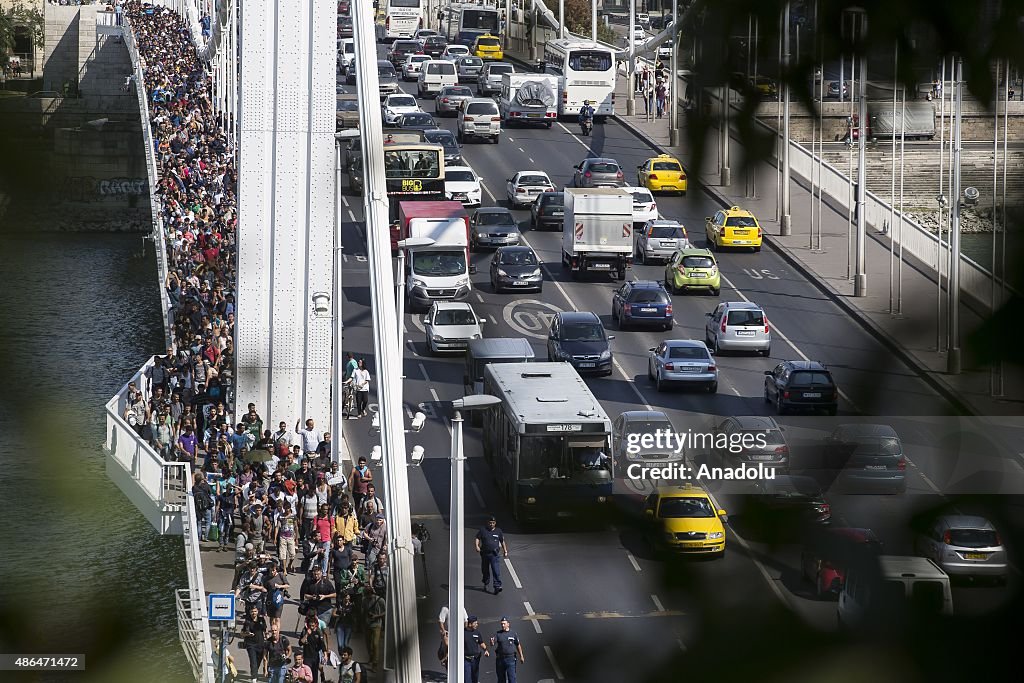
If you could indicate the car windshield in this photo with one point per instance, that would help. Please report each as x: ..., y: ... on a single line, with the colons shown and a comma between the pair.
x: 641, y: 197
x: 676, y: 508
x: 795, y: 488
x: 603, y: 167
x: 518, y: 258
x: 434, y: 41
x: 648, y: 296
x: 417, y: 59
x: 553, y: 200
x: 348, y: 105
x: 459, y: 176
x: 687, y: 352
x: 455, y: 317
x: 416, y: 119
x: 666, y: 166
x: 405, y: 46
x: 488, y: 42
x: 647, y: 427
x: 667, y: 231
x: 877, y: 446
x: 741, y: 222
x: 494, y: 218
x: 973, y: 538
x: 387, y: 72
x: 590, y: 60
x: 402, y: 101
x: 582, y: 332
x: 534, y: 180
x: 457, y: 92
x: 441, y: 137
x: 443, y: 68
x: 806, y: 378
x: 482, y: 108
x: 698, y: 262
x: 746, y: 318
x: 439, y: 262
x: 471, y: 61
x: 501, y: 69
x: 771, y: 437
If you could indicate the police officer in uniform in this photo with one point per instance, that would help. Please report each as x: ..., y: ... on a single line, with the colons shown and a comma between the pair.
x: 490, y: 543
x: 506, y: 648
x: 474, y: 647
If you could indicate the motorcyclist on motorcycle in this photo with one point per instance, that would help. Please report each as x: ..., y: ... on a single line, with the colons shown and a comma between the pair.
x: 586, y: 117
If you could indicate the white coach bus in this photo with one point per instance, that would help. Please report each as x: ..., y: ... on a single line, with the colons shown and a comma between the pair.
x: 586, y: 71
x: 401, y: 19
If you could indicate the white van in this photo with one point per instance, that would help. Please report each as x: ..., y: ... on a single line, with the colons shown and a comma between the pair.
x: 911, y: 583
x: 434, y: 75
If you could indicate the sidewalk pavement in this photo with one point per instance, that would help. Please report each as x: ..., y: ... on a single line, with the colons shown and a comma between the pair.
x: 911, y: 334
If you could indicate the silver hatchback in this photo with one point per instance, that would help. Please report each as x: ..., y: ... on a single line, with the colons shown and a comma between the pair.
x: 468, y: 68
x: 450, y: 98
x: 738, y: 326
x: 598, y: 172
x: 682, y: 362
x: 659, y: 239
x: 964, y: 545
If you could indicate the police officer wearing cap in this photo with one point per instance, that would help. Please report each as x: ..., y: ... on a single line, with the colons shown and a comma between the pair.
x: 506, y: 648
x: 473, y: 646
x: 490, y: 543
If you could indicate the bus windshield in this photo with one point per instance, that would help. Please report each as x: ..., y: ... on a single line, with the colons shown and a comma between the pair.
x: 412, y: 163
x: 590, y: 60
x: 553, y: 457
x: 442, y: 262
x: 403, y: 3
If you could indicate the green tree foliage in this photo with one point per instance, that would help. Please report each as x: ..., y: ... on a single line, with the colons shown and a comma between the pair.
x: 578, y: 18
x: 17, y: 18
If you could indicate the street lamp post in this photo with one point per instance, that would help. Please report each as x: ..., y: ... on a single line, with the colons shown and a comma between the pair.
x: 631, y: 62
x: 860, y: 281
x: 784, y: 213
x: 971, y: 195
x: 457, y: 566
x: 673, y: 130
x: 407, y: 243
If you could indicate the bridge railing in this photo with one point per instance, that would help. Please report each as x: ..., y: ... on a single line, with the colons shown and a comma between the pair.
x: 158, y: 233
x: 193, y: 620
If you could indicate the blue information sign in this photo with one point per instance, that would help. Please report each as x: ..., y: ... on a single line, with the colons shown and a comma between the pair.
x: 222, y: 607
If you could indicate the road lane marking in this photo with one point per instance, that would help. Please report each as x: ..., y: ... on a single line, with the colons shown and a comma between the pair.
x: 479, y: 297
x: 554, y: 664
x: 682, y: 646
x: 344, y: 200
x: 782, y: 335
x: 423, y: 370
x: 657, y: 603
x: 574, y: 137
x: 531, y: 613
x: 1017, y: 465
x: 632, y: 561
x: 476, y: 494
x: 512, y: 573
x: 522, y: 150
x: 531, y: 160
x: 488, y: 191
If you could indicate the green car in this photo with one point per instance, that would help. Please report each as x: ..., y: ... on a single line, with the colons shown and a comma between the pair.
x: 692, y: 269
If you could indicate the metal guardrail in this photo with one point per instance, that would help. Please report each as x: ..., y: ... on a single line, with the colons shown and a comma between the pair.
x: 153, y: 175
x: 193, y: 620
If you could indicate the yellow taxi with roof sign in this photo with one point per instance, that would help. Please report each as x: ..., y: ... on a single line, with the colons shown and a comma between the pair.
x: 487, y: 47
x: 687, y: 520
x: 662, y: 173
x: 733, y: 227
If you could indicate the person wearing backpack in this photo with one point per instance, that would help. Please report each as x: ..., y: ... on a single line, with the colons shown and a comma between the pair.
x: 202, y: 494
x: 254, y: 632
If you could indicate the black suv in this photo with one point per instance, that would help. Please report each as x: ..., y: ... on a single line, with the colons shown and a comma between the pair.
x: 434, y: 46
x: 580, y: 339
x: 401, y: 49
x: 642, y: 302
x: 749, y: 440
x: 801, y: 385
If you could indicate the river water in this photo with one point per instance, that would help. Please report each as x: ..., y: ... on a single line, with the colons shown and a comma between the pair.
x: 83, y: 571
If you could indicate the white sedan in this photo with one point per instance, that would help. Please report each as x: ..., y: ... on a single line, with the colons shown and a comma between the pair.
x: 394, y: 106
x: 644, y: 207
x: 453, y: 52
x: 411, y: 66
x: 522, y: 188
x: 461, y: 184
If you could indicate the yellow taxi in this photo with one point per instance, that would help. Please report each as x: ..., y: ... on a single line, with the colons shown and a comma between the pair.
x: 688, y: 520
x: 733, y: 227
x: 663, y: 173
x: 487, y: 47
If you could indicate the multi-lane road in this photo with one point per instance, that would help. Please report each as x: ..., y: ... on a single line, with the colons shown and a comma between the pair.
x: 593, y: 604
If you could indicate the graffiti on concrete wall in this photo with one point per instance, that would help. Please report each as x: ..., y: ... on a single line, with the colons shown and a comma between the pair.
x: 89, y: 189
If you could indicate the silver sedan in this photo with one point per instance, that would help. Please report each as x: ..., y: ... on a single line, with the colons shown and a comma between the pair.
x: 964, y: 545
x: 450, y: 98
x: 682, y: 361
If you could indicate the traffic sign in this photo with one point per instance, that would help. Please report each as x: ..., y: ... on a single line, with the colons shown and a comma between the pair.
x: 222, y: 606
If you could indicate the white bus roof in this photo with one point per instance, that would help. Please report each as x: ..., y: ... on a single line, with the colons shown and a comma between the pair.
x: 566, y: 44
x: 546, y: 393
x: 906, y: 566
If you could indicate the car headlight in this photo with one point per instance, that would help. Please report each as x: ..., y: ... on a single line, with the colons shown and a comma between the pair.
x: 416, y: 282
x: 462, y: 282
x: 530, y: 501
x: 602, y: 499
x: 502, y: 272
x: 606, y: 354
x: 716, y: 534
x: 477, y: 336
x: 535, y: 273
x: 437, y: 338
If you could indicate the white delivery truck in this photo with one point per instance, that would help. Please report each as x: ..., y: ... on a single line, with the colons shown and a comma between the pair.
x: 441, y: 271
x: 597, y: 233
x: 528, y: 98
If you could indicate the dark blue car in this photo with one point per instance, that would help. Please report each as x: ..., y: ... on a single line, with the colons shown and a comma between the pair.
x: 643, y: 302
